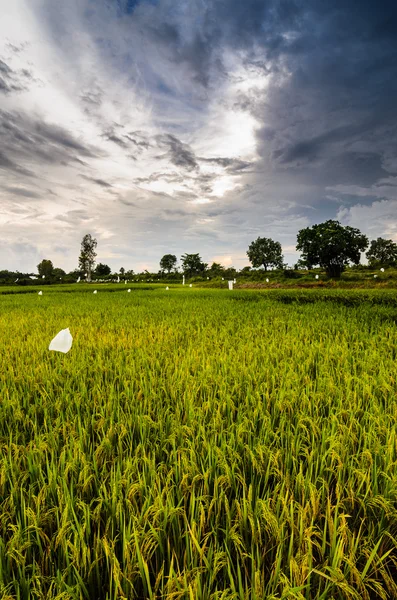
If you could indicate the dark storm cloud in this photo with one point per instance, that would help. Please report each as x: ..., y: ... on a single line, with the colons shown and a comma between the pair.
x: 179, y: 154
x: 330, y: 110
x: 27, y: 140
x: 319, y: 78
x: 334, y: 115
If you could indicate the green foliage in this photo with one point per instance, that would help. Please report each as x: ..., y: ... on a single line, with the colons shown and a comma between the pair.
x: 265, y: 252
x: 168, y: 262
x: 331, y: 245
x: 58, y: 274
x: 101, y: 270
x: 227, y: 446
x: 193, y: 265
x: 87, y: 255
x: 292, y: 274
x: 216, y: 270
x: 382, y: 252
x: 45, y: 268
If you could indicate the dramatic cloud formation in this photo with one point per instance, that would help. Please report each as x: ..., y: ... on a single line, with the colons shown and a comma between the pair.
x: 172, y: 126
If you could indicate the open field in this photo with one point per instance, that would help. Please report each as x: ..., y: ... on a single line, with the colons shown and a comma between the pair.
x: 198, y: 444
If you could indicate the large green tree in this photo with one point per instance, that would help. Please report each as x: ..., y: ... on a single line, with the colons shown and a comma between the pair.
x: 46, y: 269
x: 168, y: 262
x: 102, y: 270
x: 331, y: 245
x: 382, y: 252
x: 87, y: 254
x: 192, y: 264
x: 265, y: 252
x: 216, y: 270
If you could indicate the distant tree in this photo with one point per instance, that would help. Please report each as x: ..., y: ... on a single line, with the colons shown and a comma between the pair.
x: 302, y: 264
x: 58, y: 274
x: 87, y: 254
x: 265, y: 252
x: 192, y: 264
x: 168, y: 262
x: 45, y: 268
x: 216, y: 270
x: 331, y: 246
x: 245, y: 270
x: 102, y: 270
x: 122, y: 271
x: 382, y: 252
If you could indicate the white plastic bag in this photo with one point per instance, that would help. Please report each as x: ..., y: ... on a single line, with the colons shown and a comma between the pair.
x: 62, y: 342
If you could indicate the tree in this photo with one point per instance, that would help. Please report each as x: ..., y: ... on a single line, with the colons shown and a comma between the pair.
x: 265, y: 252
x: 122, y: 271
x: 216, y: 269
x: 302, y: 265
x: 192, y: 264
x: 45, y: 268
x: 331, y: 246
x: 58, y: 273
x: 101, y: 270
x: 87, y: 254
x: 382, y: 252
x: 168, y: 262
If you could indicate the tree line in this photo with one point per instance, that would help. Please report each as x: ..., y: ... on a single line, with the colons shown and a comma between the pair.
x: 328, y: 245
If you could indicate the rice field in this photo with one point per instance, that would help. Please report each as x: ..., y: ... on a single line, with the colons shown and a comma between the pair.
x: 198, y: 445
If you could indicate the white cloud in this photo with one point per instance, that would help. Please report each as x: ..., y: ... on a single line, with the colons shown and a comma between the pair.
x: 379, y: 219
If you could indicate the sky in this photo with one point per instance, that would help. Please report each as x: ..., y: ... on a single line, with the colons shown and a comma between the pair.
x: 170, y: 126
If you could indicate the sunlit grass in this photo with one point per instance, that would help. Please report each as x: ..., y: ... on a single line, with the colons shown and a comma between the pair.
x: 199, y: 445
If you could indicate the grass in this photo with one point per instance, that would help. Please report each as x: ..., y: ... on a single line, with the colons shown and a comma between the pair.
x: 199, y: 444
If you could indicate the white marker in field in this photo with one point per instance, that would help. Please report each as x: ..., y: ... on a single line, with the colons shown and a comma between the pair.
x: 95, y: 292
x: 125, y: 282
x: 267, y: 280
x: 43, y: 276
x: 183, y: 280
x: 234, y: 281
x: 62, y: 342
x: 78, y: 280
x: 230, y: 285
x: 17, y: 279
x: 128, y: 290
x: 375, y: 276
x: 316, y: 276
x: 190, y: 285
x: 167, y: 288
x: 382, y: 269
x: 223, y: 279
x: 40, y: 293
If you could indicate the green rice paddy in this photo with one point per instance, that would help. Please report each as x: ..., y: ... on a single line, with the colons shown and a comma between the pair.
x: 199, y: 445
